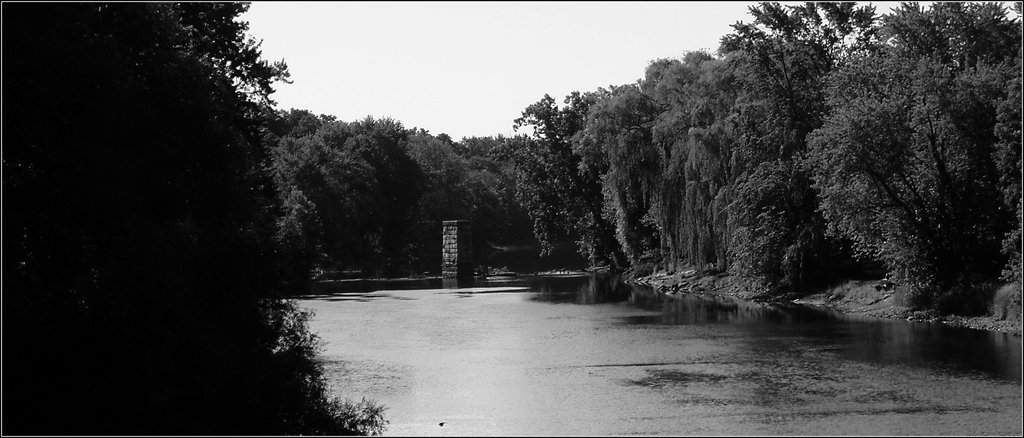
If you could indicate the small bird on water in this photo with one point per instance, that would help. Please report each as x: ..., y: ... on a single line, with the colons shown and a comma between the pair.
x: 441, y: 424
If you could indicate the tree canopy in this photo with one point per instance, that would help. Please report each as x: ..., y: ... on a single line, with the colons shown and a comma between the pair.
x: 820, y: 139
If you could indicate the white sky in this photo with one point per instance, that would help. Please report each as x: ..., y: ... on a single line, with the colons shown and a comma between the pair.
x: 470, y: 68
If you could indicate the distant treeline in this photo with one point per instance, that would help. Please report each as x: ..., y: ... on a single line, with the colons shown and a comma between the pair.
x: 820, y: 138
x: 370, y: 195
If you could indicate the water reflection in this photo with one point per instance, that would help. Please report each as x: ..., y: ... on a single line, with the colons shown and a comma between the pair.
x: 340, y: 287
x: 707, y: 309
x: 955, y: 349
x: 457, y: 283
x: 585, y: 289
x: 772, y: 328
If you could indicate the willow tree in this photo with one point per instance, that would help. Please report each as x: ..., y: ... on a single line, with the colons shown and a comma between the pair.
x: 697, y: 133
x: 617, y: 142
x: 666, y: 144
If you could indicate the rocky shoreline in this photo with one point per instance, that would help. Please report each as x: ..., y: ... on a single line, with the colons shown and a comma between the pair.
x: 876, y: 298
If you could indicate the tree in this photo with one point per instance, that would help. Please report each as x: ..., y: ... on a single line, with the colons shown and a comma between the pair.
x: 562, y: 198
x: 904, y: 163
x: 697, y: 132
x: 140, y: 281
x: 782, y: 60
x: 384, y: 145
x: 326, y: 193
x: 508, y: 220
x: 446, y: 195
x: 1007, y: 155
x: 616, y: 144
x: 362, y: 188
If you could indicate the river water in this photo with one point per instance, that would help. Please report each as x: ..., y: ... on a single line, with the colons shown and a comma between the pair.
x: 588, y: 355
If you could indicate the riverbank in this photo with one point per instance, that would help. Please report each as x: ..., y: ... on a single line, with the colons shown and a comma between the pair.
x: 875, y: 298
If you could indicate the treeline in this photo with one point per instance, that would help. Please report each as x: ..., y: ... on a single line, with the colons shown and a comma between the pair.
x: 141, y: 269
x: 819, y: 138
x: 370, y: 195
x: 819, y: 141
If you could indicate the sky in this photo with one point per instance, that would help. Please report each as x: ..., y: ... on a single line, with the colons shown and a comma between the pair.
x: 470, y: 68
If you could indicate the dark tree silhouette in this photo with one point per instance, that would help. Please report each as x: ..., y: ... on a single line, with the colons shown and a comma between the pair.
x: 139, y: 267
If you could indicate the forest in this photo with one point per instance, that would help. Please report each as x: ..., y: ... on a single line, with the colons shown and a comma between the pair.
x: 821, y: 141
x: 160, y: 209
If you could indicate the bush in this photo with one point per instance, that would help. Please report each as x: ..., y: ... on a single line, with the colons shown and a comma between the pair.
x: 362, y: 418
x: 967, y: 298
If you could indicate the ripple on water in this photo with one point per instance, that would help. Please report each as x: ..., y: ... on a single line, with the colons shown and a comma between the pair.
x: 573, y: 356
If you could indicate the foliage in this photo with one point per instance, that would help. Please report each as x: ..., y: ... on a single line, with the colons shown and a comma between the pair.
x: 140, y: 275
x: 728, y: 161
x: 1007, y: 157
x: 709, y: 161
x: 508, y: 221
x: 616, y: 143
x: 461, y: 184
x: 156, y: 205
x: 375, y: 202
x: 324, y: 191
x: 697, y: 130
x: 781, y: 61
x: 562, y: 195
x: 360, y: 418
x: 358, y: 187
x: 666, y: 145
x: 904, y: 162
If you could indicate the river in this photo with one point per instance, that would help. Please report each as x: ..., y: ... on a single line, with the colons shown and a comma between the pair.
x: 588, y: 355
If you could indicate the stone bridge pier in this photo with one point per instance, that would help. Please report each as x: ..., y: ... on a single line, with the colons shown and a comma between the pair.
x: 456, y: 249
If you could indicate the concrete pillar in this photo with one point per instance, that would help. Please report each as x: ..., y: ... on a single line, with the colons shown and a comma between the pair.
x: 456, y: 250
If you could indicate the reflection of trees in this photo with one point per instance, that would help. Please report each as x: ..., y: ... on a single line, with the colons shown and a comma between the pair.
x: 933, y: 344
x: 456, y: 283
x: 602, y: 289
x: 591, y: 289
x: 364, y: 286
x: 696, y: 309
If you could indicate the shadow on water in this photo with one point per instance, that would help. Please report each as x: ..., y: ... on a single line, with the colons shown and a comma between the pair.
x: 772, y: 329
